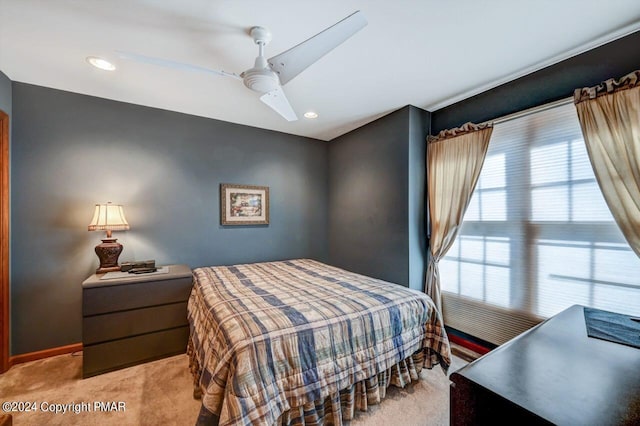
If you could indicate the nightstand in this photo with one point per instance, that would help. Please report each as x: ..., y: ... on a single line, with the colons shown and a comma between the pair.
x: 131, y: 319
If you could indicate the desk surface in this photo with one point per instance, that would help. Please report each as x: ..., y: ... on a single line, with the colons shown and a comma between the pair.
x: 558, y: 373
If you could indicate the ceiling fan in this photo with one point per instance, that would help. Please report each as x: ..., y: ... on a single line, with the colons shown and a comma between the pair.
x: 269, y: 75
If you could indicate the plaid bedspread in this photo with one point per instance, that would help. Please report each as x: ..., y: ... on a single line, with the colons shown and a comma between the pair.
x: 266, y: 337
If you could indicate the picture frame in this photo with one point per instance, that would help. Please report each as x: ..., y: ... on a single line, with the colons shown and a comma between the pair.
x: 244, y: 204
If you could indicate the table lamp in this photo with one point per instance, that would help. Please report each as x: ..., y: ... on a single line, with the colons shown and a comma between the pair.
x: 108, y: 217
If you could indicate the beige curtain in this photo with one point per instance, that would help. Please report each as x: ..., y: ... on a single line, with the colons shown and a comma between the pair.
x: 610, y: 119
x: 454, y: 161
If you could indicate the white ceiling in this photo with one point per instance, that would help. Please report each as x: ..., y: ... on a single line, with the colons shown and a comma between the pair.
x: 427, y: 53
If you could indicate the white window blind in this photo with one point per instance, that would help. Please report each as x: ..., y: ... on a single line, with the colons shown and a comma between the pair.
x: 538, y: 236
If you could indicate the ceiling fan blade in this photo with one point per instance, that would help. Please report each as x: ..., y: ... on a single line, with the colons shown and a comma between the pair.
x: 279, y: 103
x: 172, y: 64
x: 292, y: 62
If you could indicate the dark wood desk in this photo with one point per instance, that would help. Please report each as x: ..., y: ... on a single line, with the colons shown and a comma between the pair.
x: 552, y: 374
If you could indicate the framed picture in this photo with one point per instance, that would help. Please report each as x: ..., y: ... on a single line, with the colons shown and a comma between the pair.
x: 244, y: 204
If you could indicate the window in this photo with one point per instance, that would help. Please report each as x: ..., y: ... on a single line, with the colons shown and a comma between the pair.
x: 538, y: 236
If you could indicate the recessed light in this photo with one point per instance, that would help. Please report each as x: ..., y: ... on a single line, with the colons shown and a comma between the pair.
x: 310, y: 114
x: 103, y: 64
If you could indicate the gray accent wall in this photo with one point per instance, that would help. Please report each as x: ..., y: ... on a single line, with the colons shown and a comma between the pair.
x: 611, y: 60
x: 72, y: 151
x: 376, y: 202
x: 5, y: 93
x: 419, y: 126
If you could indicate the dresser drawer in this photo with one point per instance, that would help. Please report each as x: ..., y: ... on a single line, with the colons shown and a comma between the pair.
x: 97, y: 300
x: 117, y: 354
x: 105, y: 327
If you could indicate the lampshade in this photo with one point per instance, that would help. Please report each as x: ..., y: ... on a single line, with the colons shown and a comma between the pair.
x: 108, y: 217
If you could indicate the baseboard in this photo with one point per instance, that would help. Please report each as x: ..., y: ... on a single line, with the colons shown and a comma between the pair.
x: 46, y: 353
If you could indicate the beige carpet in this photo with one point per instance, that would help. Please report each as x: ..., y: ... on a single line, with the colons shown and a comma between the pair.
x: 160, y: 393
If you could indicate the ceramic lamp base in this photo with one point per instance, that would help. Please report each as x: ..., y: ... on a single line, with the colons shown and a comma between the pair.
x: 108, y: 253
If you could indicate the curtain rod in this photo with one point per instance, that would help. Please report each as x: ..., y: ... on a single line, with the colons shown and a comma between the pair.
x: 529, y: 111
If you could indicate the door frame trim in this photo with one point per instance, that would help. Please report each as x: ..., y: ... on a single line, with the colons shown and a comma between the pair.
x: 5, y: 293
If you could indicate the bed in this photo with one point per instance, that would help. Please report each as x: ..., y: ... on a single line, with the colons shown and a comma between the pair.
x: 302, y: 342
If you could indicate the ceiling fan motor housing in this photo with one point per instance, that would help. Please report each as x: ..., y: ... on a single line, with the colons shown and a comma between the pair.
x: 260, y: 78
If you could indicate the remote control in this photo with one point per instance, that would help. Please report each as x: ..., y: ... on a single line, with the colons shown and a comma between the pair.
x: 142, y: 270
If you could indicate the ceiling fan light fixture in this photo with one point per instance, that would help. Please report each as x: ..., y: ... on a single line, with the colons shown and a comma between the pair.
x: 311, y: 115
x: 101, y: 63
